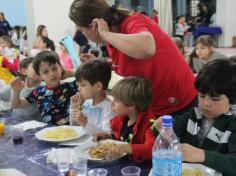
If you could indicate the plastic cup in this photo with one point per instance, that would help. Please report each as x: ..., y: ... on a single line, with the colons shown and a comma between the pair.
x: 131, y: 171
x: 63, y: 159
x: 17, y: 134
x: 97, y: 172
x: 2, y: 126
x: 79, y: 164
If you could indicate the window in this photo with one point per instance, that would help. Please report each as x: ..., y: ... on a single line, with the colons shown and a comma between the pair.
x: 193, y: 7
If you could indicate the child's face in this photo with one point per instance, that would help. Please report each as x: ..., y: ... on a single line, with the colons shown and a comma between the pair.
x: 45, y: 32
x: 50, y: 74
x: 119, y: 107
x: 202, y: 51
x: 86, y: 89
x: 62, y: 48
x: 212, y: 107
x: 30, y: 73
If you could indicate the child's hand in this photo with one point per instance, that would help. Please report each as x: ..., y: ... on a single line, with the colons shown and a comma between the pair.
x: 192, y: 154
x: 158, y: 124
x: 86, y: 57
x: 114, y: 152
x: 102, y: 135
x: 17, y: 84
x: 80, y: 119
x: 77, y: 100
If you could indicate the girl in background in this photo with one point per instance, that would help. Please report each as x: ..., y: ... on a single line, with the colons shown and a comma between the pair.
x: 68, y: 56
x: 203, y: 52
x: 9, y: 59
x: 43, y: 32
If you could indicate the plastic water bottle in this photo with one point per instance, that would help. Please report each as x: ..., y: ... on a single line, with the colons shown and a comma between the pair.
x: 166, y: 153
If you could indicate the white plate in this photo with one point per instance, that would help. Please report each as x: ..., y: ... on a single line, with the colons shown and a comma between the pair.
x: 10, y: 172
x: 84, y: 149
x: 40, y: 134
x: 204, y: 169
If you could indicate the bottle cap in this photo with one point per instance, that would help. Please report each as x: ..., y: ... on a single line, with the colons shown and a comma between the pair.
x: 166, y: 121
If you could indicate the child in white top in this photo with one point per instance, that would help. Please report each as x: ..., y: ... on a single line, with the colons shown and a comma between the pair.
x: 91, y: 107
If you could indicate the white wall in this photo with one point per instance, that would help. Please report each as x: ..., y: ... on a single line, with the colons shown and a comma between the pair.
x: 53, y: 14
x: 225, y: 17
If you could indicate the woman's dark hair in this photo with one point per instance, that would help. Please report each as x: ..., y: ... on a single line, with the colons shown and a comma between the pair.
x: 82, y: 12
x: 45, y: 56
x: 49, y: 43
x: 218, y: 77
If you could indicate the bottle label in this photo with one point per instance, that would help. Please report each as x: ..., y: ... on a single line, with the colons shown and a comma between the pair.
x: 166, y: 166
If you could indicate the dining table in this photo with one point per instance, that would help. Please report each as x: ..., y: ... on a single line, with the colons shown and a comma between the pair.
x: 30, y: 157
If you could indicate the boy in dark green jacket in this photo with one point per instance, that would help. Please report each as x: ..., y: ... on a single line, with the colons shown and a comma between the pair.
x: 208, y: 133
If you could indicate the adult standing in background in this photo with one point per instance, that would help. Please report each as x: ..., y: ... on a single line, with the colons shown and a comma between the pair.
x: 137, y: 46
x: 43, y: 32
x: 4, y: 24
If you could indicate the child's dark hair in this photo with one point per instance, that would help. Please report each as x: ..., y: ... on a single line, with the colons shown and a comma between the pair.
x: 45, y: 56
x: 218, y: 77
x: 133, y: 90
x: 94, y: 71
x: 24, y: 63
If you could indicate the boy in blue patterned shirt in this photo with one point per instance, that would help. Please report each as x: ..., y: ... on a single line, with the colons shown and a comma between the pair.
x: 53, y: 99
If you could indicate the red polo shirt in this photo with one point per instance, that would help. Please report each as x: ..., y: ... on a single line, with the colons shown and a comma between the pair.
x: 171, y: 78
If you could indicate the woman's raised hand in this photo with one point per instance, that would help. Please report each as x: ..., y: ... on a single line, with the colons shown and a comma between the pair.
x: 101, y: 26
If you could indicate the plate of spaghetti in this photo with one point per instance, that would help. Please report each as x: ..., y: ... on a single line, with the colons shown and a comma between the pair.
x: 60, y: 133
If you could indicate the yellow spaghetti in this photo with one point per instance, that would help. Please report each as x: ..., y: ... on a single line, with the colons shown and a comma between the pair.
x: 192, y: 172
x: 60, y: 133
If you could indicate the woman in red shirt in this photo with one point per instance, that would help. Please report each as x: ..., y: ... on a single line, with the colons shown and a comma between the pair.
x: 137, y: 46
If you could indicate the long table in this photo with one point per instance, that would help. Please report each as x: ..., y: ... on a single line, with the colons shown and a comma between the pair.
x: 30, y: 157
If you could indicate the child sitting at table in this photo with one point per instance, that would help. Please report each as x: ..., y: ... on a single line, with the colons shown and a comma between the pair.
x: 53, y: 99
x: 208, y: 133
x: 96, y: 109
x: 203, y: 52
x: 132, y: 96
x: 9, y: 60
x: 31, y: 80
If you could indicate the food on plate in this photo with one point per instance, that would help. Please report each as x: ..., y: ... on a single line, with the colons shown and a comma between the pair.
x: 192, y: 172
x: 60, y: 133
x: 100, y: 150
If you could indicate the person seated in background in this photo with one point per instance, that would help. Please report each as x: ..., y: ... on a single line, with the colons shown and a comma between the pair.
x: 68, y: 57
x: 179, y: 43
x: 53, y: 98
x: 131, y: 101
x: 82, y: 41
x: 203, y: 52
x: 9, y: 60
x: 154, y: 15
x: 181, y: 27
x: 43, y: 32
x: 40, y: 44
x: 92, y: 108
x: 208, y: 132
x: 31, y: 80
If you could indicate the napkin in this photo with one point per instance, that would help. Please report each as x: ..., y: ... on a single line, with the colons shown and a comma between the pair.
x: 31, y: 125
x: 51, y: 157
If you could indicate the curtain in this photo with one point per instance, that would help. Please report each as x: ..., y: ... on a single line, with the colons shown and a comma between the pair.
x: 164, y: 8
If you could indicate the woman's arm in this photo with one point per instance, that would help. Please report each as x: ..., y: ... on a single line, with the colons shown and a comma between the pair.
x: 139, y: 45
